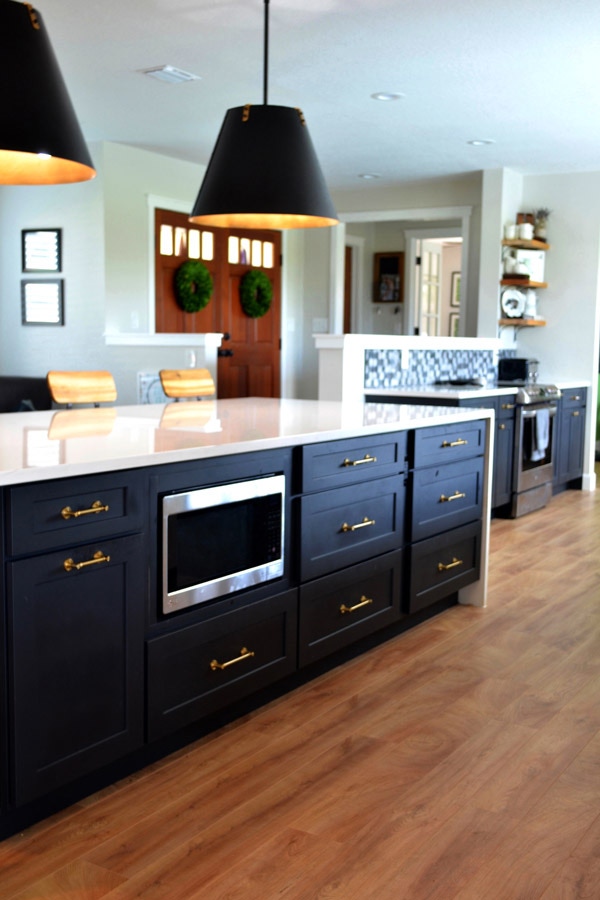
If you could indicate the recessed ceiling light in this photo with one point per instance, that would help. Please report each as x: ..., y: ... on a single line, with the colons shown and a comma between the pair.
x: 480, y: 142
x: 170, y: 74
x: 370, y: 176
x: 387, y: 95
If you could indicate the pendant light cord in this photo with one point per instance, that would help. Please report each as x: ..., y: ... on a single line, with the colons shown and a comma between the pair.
x: 266, y: 55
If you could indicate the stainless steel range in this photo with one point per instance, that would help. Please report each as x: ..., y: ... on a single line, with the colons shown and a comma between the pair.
x: 534, y: 448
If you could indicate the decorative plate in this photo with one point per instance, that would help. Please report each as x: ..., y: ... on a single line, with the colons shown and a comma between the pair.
x: 513, y: 303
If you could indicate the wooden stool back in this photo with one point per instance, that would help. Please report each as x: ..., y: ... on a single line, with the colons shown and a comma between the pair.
x: 187, y: 383
x: 81, y: 387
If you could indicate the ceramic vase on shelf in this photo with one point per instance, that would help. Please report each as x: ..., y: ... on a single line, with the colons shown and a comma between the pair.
x: 541, y: 224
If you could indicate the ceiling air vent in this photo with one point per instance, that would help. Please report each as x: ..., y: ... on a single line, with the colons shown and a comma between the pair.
x: 170, y: 74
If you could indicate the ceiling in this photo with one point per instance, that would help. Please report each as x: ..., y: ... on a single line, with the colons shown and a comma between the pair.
x: 522, y: 74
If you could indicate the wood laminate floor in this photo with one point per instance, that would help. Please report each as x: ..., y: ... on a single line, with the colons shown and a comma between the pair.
x: 459, y: 761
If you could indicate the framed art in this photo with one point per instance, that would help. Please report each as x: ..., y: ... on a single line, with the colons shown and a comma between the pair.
x: 388, y: 277
x: 42, y: 302
x: 41, y: 250
x: 455, y: 289
x: 453, y: 325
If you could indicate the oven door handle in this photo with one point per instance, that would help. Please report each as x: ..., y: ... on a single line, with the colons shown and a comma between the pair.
x: 531, y: 413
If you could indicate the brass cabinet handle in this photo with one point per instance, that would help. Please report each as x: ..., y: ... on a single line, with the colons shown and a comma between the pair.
x: 507, y: 405
x: 576, y: 412
x: 359, y: 462
x: 443, y: 567
x: 363, y: 524
x: 457, y: 495
x: 96, y: 507
x: 364, y: 601
x: 244, y: 654
x: 502, y: 426
x: 457, y: 443
x: 98, y: 557
x: 575, y: 397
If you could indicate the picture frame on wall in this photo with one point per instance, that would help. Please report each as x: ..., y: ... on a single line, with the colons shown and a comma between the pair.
x: 42, y: 302
x: 388, y: 277
x: 41, y: 250
x: 454, y: 319
x: 455, y: 289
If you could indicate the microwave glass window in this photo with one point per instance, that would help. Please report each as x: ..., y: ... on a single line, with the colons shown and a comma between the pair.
x: 207, y: 544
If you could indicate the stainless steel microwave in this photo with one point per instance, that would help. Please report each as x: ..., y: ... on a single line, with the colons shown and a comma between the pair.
x: 220, y: 539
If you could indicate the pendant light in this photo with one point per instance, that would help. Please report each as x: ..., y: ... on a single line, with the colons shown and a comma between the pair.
x: 40, y: 139
x: 264, y: 172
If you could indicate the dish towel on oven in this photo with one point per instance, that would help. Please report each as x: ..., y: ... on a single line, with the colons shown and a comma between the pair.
x: 540, y: 435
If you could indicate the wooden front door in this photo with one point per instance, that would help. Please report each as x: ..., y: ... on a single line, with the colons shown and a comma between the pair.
x: 249, y: 359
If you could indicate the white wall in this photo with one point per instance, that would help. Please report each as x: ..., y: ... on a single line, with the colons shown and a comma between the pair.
x: 107, y: 257
x: 77, y: 209
x: 130, y: 177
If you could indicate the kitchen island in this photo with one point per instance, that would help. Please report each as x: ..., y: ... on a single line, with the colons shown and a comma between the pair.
x: 386, y: 511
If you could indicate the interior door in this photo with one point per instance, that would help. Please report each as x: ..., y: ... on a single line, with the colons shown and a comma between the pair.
x: 429, y: 288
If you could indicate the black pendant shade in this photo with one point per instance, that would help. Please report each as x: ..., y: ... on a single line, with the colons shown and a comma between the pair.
x: 40, y: 138
x: 264, y: 173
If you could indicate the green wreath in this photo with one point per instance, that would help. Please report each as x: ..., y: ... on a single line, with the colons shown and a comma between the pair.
x: 193, y: 285
x: 256, y: 293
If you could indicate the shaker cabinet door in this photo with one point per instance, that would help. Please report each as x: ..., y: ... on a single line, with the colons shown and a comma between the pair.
x: 76, y: 644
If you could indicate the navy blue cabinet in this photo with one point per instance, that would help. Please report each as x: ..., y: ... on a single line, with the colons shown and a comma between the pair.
x: 570, y: 435
x: 96, y: 679
x: 447, y: 482
x: 352, y: 531
x: 504, y: 443
x: 77, y: 578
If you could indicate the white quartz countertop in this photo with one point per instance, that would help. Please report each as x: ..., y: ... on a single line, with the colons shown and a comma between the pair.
x: 441, y: 391
x: 37, y: 446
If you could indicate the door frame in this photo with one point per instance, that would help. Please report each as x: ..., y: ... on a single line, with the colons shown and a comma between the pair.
x: 419, y: 216
x: 411, y: 238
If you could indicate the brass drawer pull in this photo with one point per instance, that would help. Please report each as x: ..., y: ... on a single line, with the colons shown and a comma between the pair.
x: 98, y: 557
x: 457, y: 443
x: 363, y: 524
x: 96, y: 507
x: 358, y: 462
x: 443, y: 567
x: 576, y: 412
x: 502, y: 426
x: 575, y: 397
x: 507, y: 405
x: 244, y: 654
x: 457, y: 495
x: 364, y: 601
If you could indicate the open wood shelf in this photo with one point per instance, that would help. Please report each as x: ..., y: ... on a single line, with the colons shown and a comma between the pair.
x: 522, y: 323
x: 523, y: 282
x: 526, y: 245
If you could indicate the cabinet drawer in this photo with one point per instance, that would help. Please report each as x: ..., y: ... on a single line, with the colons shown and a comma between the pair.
x: 347, y: 525
x: 574, y: 397
x: 443, y: 564
x: 445, y: 497
x: 448, y: 443
x: 58, y: 513
x: 336, y: 463
x: 203, y: 667
x: 339, y: 609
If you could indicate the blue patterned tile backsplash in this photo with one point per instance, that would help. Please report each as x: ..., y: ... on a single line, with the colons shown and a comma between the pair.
x: 383, y: 367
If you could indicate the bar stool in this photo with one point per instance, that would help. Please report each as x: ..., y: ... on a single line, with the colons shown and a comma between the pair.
x: 187, y: 383
x: 68, y: 388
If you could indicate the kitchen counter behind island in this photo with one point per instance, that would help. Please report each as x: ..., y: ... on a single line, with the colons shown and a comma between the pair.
x: 386, y: 511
